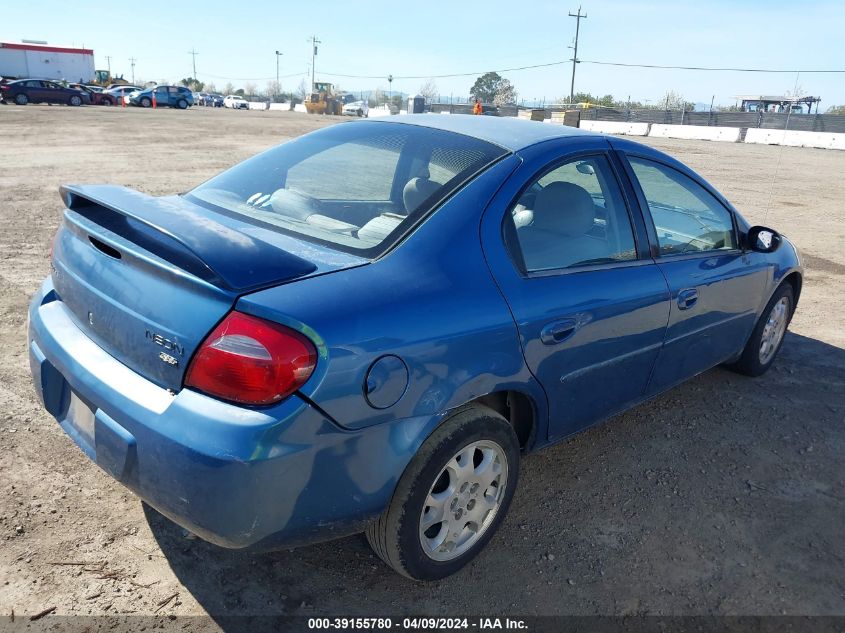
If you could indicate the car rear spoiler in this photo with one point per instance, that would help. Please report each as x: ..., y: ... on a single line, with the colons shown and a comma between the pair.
x: 203, y: 243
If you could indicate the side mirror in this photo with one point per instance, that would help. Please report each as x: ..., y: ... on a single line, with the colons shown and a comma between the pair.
x: 763, y: 239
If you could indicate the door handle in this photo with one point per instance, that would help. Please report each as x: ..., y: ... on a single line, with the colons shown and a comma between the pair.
x: 687, y: 298
x: 558, y: 331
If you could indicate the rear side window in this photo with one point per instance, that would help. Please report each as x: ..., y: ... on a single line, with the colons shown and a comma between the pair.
x: 687, y: 218
x: 357, y: 186
x: 572, y: 216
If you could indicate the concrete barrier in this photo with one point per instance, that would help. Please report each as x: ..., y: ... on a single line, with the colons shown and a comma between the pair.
x: 796, y: 138
x: 698, y: 132
x: 629, y: 128
x: 299, y: 107
x: 257, y: 105
x: 280, y: 106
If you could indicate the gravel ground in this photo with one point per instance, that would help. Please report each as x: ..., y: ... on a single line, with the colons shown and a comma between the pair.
x: 725, y: 495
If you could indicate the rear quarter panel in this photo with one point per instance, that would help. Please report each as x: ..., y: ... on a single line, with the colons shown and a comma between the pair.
x: 431, y: 301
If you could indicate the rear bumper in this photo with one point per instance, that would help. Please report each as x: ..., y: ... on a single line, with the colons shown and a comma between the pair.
x: 237, y: 477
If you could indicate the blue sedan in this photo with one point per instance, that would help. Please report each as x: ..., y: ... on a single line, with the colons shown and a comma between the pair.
x: 363, y: 329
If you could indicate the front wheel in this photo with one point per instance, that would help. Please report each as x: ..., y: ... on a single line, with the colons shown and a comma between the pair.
x: 21, y: 99
x: 768, y: 334
x: 145, y: 102
x: 75, y: 100
x: 182, y: 104
x: 106, y: 101
x: 452, y: 497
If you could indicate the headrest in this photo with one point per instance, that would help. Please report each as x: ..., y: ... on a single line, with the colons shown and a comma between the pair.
x: 564, y: 208
x: 416, y: 191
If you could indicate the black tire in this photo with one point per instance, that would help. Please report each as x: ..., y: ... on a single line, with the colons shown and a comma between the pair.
x: 75, y: 100
x: 106, y: 101
x: 21, y: 99
x: 145, y: 102
x: 182, y: 104
x: 395, y: 535
x: 749, y: 362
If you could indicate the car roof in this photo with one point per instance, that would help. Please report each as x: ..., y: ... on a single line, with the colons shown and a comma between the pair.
x: 508, y: 132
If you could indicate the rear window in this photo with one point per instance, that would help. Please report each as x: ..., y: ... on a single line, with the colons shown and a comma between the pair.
x: 357, y: 187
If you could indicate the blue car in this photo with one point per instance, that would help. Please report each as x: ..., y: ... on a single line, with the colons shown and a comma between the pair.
x: 363, y: 329
x: 172, y: 96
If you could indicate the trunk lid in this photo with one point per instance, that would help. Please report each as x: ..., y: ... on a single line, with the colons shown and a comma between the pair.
x: 148, y: 278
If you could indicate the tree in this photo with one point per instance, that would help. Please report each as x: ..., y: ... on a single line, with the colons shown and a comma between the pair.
x: 840, y: 109
x: 274, y: 90
x: 486, y: 87
x: 210, y: 87
x: 193, y: 84
x: 675, y: 101
x: 429, y: 91
x: 228, y: 88
x: 250, y: 89
x: 240, y: 91
x: 302, y: 90
x: 505, y: 94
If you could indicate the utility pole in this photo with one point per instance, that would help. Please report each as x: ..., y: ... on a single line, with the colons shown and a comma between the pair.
x: 314, y: 42
x: 390, y: 89
x: 194, y: 54
x: 278, y: 85
x: 132, y: 61
x: 108, y: 65
x: 577, y: 17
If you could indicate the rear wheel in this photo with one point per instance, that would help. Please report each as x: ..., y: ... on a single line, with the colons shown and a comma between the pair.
x: 182, y: 104
x: 768, y: 334
x: 145, y: 102
x: 75, y: 100
x: 452, y: 497
x: 21, y: 99
x: 106, y: 101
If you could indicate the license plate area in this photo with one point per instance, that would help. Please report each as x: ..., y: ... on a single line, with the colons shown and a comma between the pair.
x: 80, y: 422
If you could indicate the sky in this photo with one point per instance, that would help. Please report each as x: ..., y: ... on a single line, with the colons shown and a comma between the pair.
x: 236, y: 42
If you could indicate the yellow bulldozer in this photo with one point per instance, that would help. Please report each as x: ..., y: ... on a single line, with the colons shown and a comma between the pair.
x: 104, y: 78
x: 322, y: 100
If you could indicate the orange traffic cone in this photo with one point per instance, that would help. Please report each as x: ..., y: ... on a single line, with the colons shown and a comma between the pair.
x: 123, y: 100
x: 154, y: 99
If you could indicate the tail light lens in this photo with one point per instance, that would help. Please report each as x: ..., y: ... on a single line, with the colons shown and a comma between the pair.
x: 251, y: 361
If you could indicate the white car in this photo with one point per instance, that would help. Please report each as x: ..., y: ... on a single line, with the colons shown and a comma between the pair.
x: 236, y: 102
x: 356, y: 108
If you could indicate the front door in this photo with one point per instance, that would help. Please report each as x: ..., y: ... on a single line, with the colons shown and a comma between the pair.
x: 715, y: 287
x: 570, y: 255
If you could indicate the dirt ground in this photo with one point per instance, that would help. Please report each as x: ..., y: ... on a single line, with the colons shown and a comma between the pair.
x: 725, y: 495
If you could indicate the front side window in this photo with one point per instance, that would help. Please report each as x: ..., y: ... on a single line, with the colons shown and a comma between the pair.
x: 571, y: 216
x: 354, y: 186
x: 687, y: 218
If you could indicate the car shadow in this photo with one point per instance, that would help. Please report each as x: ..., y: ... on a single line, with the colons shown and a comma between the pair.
x: 710, y: 439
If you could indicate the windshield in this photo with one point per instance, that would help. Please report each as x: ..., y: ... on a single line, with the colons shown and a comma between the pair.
x: 356, y: 186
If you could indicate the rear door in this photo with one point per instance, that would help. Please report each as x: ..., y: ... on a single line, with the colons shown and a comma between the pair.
x: 570, y: 254
x: 715, y: 286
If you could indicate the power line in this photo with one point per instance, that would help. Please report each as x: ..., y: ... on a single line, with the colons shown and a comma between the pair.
x: 713, y: 68
x: 546, y: 65
x: 588, y: 61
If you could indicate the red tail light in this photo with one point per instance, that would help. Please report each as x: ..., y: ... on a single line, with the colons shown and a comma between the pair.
x: 251, y: 361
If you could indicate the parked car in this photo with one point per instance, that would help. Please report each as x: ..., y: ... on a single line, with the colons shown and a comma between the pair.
x: 96, y: 95
x: 172, y: 96
x: 357, y: 108
x: 213, y: 100
x: 120, y: 92
x: 25, y: 91
x: 236, y: 102
x: 374, y: 354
